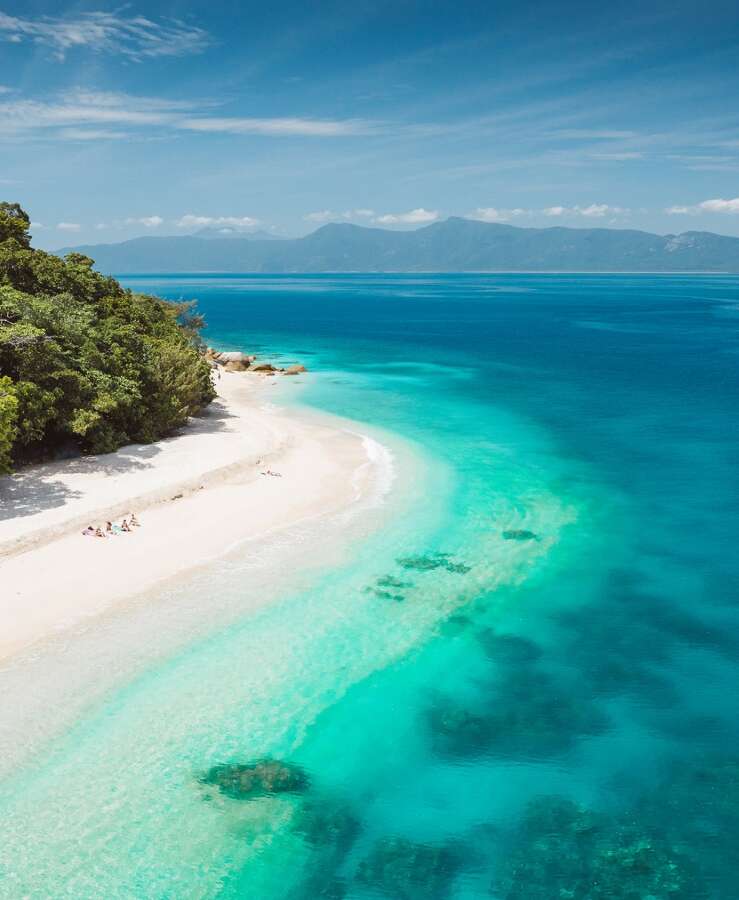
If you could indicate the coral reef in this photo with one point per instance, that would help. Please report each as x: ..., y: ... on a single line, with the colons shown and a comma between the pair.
x: 564, y: 851
x: 432, y: 561
x: 519, y: 534
x: 405, y: 870
x: 264, y: 776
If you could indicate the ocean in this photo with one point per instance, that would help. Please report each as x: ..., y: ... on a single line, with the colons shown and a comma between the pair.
x: 514, y: 677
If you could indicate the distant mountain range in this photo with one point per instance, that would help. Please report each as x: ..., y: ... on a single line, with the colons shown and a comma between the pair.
x: 455, y: 245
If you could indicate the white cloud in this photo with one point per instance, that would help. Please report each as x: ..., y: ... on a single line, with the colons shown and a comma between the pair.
x: 87, y: 115
x: 37, y: 225
x: 595, y: 210
x: 592, y: 211
x: 493, y: 214
x: 412, y: 217
x: 719, y: 205
x: 68, y: 226
x: 146, y: 221
x: 135, y: 37
x: 193, y: 221
x: 321, y: 216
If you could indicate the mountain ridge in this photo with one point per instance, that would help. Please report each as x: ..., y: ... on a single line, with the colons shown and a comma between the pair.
x: 453, y: 245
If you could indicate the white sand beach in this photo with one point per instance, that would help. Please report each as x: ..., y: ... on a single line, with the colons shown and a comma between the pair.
x: 197, y: 495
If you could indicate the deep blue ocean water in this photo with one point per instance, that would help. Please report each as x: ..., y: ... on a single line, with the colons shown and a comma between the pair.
x: 524, y: 686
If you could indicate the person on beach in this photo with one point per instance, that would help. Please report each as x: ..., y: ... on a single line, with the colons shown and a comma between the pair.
x: 99, y: 532
x: 89, y: 531
x: 124, y: 525
x: 133, y: 520
x: 109, y: 528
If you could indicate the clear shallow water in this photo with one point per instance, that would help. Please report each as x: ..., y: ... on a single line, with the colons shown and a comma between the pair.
x: 552, y: 716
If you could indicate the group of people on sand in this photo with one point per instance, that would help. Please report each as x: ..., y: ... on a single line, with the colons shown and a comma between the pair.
x: 127, y: 525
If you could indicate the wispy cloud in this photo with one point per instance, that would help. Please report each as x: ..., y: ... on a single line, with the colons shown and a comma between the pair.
x: 135, y: 37
x: 617, y: 157
x: 595, y: 134
x: 418, y: 216
x: 90, y: 115
x: 192, y: 221
x: 68, y: 226
x: 275, y: 126
x: 91, y: 134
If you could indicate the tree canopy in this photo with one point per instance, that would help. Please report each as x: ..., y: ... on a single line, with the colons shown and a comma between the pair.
x: 85, y: 365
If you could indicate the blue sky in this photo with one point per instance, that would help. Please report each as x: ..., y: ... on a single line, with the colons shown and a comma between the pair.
x: 167, y: 117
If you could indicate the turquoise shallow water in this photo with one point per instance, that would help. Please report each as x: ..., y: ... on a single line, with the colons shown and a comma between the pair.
x: 521, y: 685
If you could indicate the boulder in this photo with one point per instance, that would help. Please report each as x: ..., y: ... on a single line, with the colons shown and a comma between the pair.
x: 294, y: 370
x: 236, y: 365
x: 265, y: 776
x: 234, y: 356
x: 264, y: 367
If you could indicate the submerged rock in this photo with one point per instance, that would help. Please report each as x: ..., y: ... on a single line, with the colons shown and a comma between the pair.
x: 265, y: 776
x: 405, y: 870
x: 508, y: 649
x: 328, y: 824
x: 457, y: 731
x: 388, y: 595
x: 519, y: 534
x: 387, y: 588
x: 529, y: 715
x: 389, y: 581
x: 432, y: 561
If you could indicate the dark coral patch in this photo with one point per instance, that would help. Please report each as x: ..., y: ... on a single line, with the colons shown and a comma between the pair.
x: 265, y: 776
x: 406, y: 870
x: 519, y: 534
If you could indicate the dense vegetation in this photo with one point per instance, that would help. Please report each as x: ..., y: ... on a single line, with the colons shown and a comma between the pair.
x: 86, y: 366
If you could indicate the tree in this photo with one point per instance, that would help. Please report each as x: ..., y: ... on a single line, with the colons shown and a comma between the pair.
x: 14, y: 224
x: 86, y: 364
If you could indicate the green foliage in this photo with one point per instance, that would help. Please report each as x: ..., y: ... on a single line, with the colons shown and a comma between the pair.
x: 8, y: 422
x: 85, y: 364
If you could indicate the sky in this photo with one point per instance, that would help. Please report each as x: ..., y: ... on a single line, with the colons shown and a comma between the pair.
x: 168, y: 117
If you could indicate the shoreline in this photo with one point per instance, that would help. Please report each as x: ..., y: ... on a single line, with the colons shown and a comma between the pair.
x: 198, y: 495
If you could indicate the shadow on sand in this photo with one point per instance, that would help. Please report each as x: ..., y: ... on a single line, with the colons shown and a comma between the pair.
x: 37, y: 488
